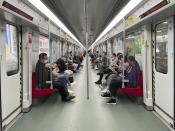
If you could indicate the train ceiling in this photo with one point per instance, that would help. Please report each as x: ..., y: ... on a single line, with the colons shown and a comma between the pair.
x: 81, y: 16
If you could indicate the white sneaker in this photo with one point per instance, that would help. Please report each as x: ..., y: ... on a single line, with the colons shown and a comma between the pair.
x: 105, y: 90
x: 71, y: 92
x: 72, y: 84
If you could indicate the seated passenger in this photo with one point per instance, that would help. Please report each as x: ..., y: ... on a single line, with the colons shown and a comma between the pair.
x: 119, y: 70
x: 42, y: 76
x: 99, y: 61
x: 60, y: 76
x: 108, y: 70
x: 70, y: 65
x: 61, y: 64
x: 131, y: 74
x: 116, y: 65
x: 63, y: 67
x: 94, y: 58
x: 84, y: 54
x: 91, y: 55
x: 66, y: 78
x: 80, y: 56
x: 76, y: 60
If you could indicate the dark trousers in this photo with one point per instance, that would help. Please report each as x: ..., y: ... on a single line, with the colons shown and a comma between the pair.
x: 60, y: 86
x: 110, y: 73
x: 114, y: 86
x: 104, y: 72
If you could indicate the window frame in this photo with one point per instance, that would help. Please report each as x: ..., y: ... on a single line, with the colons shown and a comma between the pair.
x: 13, y: 72
x: 155, y: 30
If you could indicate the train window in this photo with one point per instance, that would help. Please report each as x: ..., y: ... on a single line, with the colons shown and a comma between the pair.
x: 161, y: 48
x: 44, y: 45
x: 62, y: 48
x: 12, y: 58
x: 129, y: 49
x: 133, y: 44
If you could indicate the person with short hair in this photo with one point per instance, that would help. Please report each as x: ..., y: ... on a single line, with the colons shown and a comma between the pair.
x: 107, y: 68
x: 42, y: 75
x: 76, y: 60
x: 131, y: 74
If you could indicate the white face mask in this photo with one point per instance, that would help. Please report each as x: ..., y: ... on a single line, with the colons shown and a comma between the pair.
x: 45, y: 61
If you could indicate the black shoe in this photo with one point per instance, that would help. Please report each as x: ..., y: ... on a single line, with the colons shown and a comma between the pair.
x: 68, y: 98
x: 98, y: 73
x: 111, y: 101
x: 98, y: 82
x: 106, y: 94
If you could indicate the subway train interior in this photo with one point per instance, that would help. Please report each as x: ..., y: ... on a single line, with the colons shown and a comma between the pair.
x: 87, y: 65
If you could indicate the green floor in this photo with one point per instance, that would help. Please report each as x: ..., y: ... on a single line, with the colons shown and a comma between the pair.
x: 88, y: 115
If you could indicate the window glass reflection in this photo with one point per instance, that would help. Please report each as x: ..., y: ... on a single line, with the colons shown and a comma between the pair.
x: 11, y: 39
x: 161, y: 51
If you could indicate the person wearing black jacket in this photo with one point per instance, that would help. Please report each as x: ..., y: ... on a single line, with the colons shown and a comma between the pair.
x: 42, y: 75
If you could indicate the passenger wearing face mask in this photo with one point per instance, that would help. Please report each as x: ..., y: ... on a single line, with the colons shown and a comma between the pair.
x: 131, y: 76
x: 42, y: 75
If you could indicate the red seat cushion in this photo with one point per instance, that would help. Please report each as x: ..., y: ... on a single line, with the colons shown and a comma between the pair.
x: 42, y: 92
x: 135, y: 91
x: 36, y: 93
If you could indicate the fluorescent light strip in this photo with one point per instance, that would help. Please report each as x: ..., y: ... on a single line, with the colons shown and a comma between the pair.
x: 40, y: 6
x: 129, y: 7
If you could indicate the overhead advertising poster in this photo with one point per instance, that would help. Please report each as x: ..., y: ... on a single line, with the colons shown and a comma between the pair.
x: 55, y: 51
x: 11, y: 47
x: 43, y: 45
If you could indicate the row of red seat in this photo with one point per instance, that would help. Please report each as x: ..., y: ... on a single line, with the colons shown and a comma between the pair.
x: 135, y: 91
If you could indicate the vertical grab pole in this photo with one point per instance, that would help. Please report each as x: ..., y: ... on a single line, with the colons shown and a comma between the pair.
x: 86, y: 39
x: 87, y: 66
x: 51, y: 61
x: 0, y: 89
x: 124, y: 43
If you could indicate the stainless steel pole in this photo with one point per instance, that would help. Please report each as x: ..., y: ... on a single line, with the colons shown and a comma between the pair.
x: 87, y: 66
x: 51, y: 60
x: 86, y: 40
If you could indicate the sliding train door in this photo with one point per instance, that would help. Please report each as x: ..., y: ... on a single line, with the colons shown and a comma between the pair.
x: 163, y: 69
x: 10, y: 72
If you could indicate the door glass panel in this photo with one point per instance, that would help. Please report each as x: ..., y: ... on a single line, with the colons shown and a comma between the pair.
x: 161, y: 48
x: 11, y: 39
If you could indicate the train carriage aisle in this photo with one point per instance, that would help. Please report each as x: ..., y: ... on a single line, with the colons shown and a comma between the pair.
x: 46, y: 45
x: 88, y: 115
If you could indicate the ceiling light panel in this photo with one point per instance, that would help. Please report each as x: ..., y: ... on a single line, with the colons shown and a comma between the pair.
x: 128, y: 8
x: 41, y: 7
